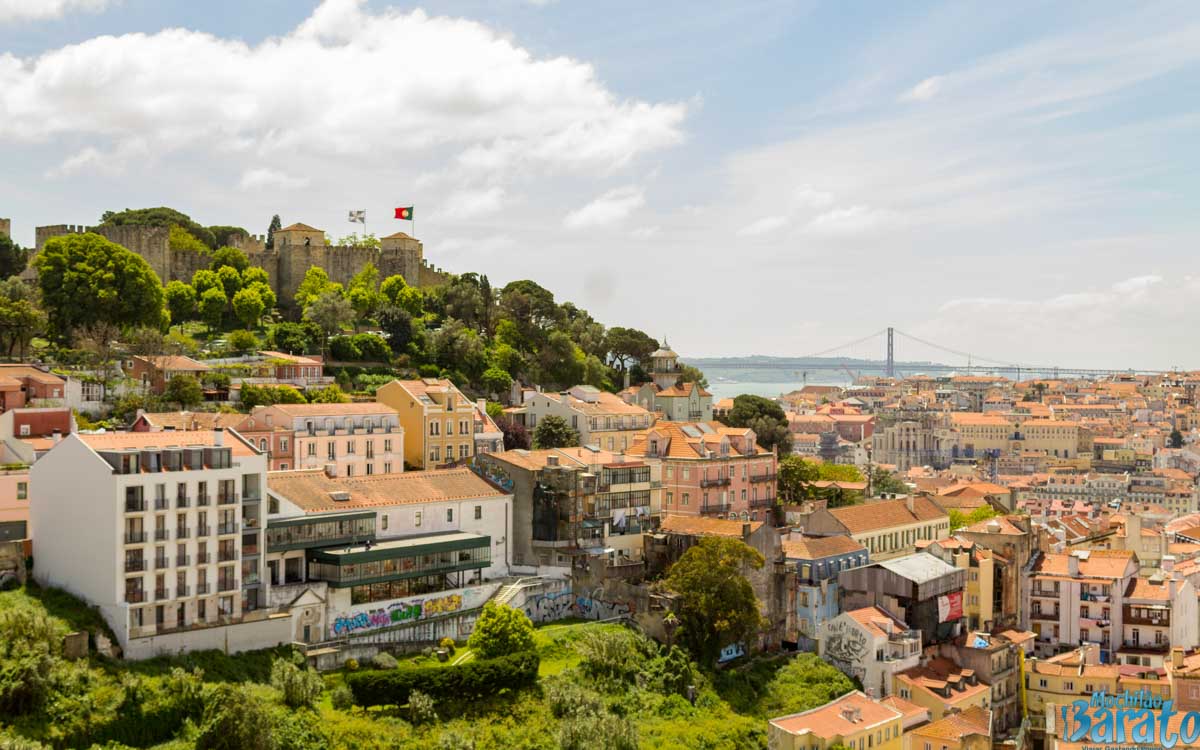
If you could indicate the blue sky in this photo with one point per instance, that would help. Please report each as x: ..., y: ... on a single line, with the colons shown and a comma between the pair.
x: 1013, y: 179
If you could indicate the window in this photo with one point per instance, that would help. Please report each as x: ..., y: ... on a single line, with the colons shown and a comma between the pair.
x: 670, y: 498
x: 350, y: 471
x: 262, y: 442
x: 283, y: 445
x: 478, y: 512
x: 387, y: 446
x: 435, y: 427
x: 383, y: 520
x: 350, y: 446
x: 1041, y: 683
x: 464, y: 450
x: 449, y: 515
x: 387, y: 467
x: 331, y: 450
x: 685, y: 498
x: 22, y: 490
x: 417, y: 518
x: 449, y: 426
x: 312, y: 448
x: 435, y: 454
x: 370, y: 469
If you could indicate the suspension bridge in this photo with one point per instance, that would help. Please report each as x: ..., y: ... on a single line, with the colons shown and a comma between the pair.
x: 885, y: 341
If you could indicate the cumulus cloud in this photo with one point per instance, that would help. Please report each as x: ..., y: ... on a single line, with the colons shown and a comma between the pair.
x: 923, y: 91
x: 645, y: 233
x: 472, y: 204
x: 614, y: 205
x: 347, y: 81
x: 42, y: 10
x: 848, y: 221
x: 765, y: 225
x: 267, y: 178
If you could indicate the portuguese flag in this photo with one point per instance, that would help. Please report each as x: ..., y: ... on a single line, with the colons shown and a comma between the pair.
x: 405, y: 213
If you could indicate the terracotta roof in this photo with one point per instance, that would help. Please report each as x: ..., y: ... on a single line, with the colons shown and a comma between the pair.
x: 536, y: 460
x: 605, y: 404
x: 298, y: 227
x: 690, y: 440
x: 30, y: 372
x: 174, y: 362
x: 321, y: 410
x: 701, y: 526
x: 311, y: 489
x: 397, y: 236
x: 984, y: 527
x: 911, y: 711
x: 830, y: 722
x: 817, y: 547
x: 299, y: 359
x: 100, y: 441
x: 876, y: 619
x: 975, y: 720
x: 1099, y: 564
x: 419, y: 388
x: 939, y: 673
x: 887, y: 513
x: 191, y: 420
x: 1144, y: 588
x: 684, y: 390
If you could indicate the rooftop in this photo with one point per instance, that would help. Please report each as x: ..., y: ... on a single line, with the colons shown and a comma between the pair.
x: 887, y: 513
x: 701, y: 526
x: 314, y: 491
x: 919, y: 567
x: 114, y: 441
x: 832, y: 720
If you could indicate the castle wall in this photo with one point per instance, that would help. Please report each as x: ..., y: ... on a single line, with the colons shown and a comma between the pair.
x: 285, y: 264
x: 6, y: 227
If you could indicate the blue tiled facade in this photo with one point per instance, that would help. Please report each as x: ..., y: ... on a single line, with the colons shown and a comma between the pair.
x: 817, y: 592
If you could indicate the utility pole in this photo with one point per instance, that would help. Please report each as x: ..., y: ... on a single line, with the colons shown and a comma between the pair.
x: 891, y: 353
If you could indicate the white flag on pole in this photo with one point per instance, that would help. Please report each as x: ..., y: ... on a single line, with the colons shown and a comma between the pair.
x: 359, y: 216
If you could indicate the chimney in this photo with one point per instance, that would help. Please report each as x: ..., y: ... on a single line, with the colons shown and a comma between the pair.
x: 1072, y: 565
x: 909, y: 502
x: 745, y: 531
x: 218, y: 436
x: 1177, y: 657
x: 1172, y: 587
x: 1168, y: 563
x: 481, y: 405
x: 552, y: 460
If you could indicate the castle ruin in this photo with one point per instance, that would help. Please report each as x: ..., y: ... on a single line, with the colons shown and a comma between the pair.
x: 296, y: 249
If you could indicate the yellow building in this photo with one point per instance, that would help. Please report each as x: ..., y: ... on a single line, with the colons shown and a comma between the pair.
x: 1063, y: 679
x: 855, y: 720
x: 1013, y: 433
x: 438, y: 421
x: 980, y: 595
x: 943, y: 687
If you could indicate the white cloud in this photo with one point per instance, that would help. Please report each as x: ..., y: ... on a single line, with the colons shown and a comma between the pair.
x: 266, y: 178
x: 848, y: 221
x: 348, y: 82
x: 645, y: 233
x: 473, y: 204
x: 42, y: 10
x: 765, y: 225
x: 613, y: 206
x: 923, y: 91
x: 809, y: 197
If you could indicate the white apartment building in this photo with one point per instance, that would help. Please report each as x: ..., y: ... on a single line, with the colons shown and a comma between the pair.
x: 602, y: 419
x: 162, y: 531
x: 419, y: 552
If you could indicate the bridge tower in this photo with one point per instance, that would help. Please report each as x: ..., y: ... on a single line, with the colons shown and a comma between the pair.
x: 891, y: 353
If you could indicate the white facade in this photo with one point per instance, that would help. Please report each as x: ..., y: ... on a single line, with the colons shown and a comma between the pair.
x: 161, y: 531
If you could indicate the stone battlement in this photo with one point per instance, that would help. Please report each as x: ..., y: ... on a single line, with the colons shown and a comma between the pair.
x: 294, y: 253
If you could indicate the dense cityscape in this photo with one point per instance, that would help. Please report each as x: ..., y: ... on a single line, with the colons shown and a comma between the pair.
x: 269, y: 482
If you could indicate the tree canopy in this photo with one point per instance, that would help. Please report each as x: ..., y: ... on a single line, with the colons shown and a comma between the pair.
x: 765, y: 417
x: 501, y: 630
x: 716, y: 603
x: 554, y: 432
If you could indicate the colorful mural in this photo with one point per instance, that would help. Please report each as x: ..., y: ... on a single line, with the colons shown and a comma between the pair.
x: 378, y: 616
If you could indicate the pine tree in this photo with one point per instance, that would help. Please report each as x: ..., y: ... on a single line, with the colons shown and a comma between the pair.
x: 276, y: 225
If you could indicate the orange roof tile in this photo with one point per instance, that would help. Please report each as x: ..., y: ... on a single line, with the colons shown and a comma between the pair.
x: 310, y: 489
x: 701, y: 526
x: 883, y: 514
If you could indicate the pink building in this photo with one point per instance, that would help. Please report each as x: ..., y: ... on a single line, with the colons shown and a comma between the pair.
x: 345, y: 440
x: 25, y: 434
x: 710, y: 469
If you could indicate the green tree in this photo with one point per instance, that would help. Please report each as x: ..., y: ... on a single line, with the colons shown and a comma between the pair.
x: 224, y: 236
x: 598, y: 730
x: 181, y: 301
x: 231, y: 257
x: 300, y: 686
x: 501, y: 630
x: 85, y: 279
x: 1176, y: 439
x: 255, y: 275
x: 241, y: 341
x: 212, y: 307
x: 716, y: 603
x: 144, y: 340
x: 316, y: 283
x: 560, y: 361
x: 235, y: 718
x: 554, y: 432
x: 248, y: 307
x: 629, y: 345
x: 806, y: 682
x: 883, y: 481
x: 30, y: 643
x: 231, y: 281
x: 205, y: 279
x: 265, y: 293
x: 496, y: 381
x: 765, y: 417
x: 268, y: 395
x: 454, y: 346
x: 689, y: 374
x: 330, y: 312
x: 330, y: 394
x: 13, y: 258
x: 159, y: 217
x: 183, y: 390
x: 363, y: 292
x: 275, y: 226
x: 397, y: 292
x: 293, y: 338
x: 181, y: 240
x: 531, y: 309
x: 466, y: 299
x: 958, y: 519
x: 20, y: 317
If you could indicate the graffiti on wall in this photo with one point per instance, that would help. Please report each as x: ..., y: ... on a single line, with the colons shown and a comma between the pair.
x: 559, y: 606
x: 406, y: 611
x: 845, y: 647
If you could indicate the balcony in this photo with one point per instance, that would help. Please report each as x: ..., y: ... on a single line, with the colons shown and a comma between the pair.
x: 254, y: 497
x: 764, y: 477
x: 162, y: 562
x: 181, y: 591
x: 227, y: 585
x: 1044, y: 593
x: 135, y: 596
x: 203, y: 558
x: 716, y: 508
x: 135, y: 537
x: 162, y: 535
x: 202, y: 501
x: 1051, y: 616
x: 202, y: 588
x: 161, y: 594
x: 230, y: 498
x: 182, y: 501
x: 227, y: 556
x: 135, y: 566
x: 161, y: 503
x: 1161, y: 647
x: 762, y: 502
x: 182, y: 561
x: 203, y: 530
x: 227, y: 528
x: 135, y: 506
x: 717, y: 482
x: 182, y: 532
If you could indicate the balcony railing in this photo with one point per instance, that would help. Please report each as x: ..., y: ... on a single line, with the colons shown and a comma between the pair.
x: 161, y: 503
x: 182, y: 532
x: 203, y: 558
x: 203, y: 530
x: 226, y: 556
x: 202, y: 588
x: 227, y: 528
x: 762, y: 502
x: 1147, y: 646
x: 161, y: 594
x: 136, y: 596
x: 182, y: 561
x: 135, y: 506
x: 202, y: 501
x: 254, y: 497
x: 764, y: 477
x: 1047, y: 593
x: 162, y: 535
x: 227, y: 585
x: 227, y: 499
x: 162, y: 562
x: 715, y: 482
x: 182, y: 501
x: 181, y: 591
x: 135, y: 566
x: 1044, y: 616
x: 135, y: 537
x: 715, y: 508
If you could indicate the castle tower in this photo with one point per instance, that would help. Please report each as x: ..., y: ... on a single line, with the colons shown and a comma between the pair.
x: 402, y: 254
x: 6, y: 227
x: 664, y: 366
x: 299, y: 234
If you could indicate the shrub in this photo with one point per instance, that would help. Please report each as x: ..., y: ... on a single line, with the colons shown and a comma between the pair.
x: 235, y: 719
x: 421, y: 709
x: 300, y: 687
x: 352, y: 665
x: 501, y: 629
x: 472, y: 680
x: 447, y: 643
x: 342, y: 698
x: 568, y: 698
x: 597, y: 730
x: 613, y: 654
x: 384, y: 661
